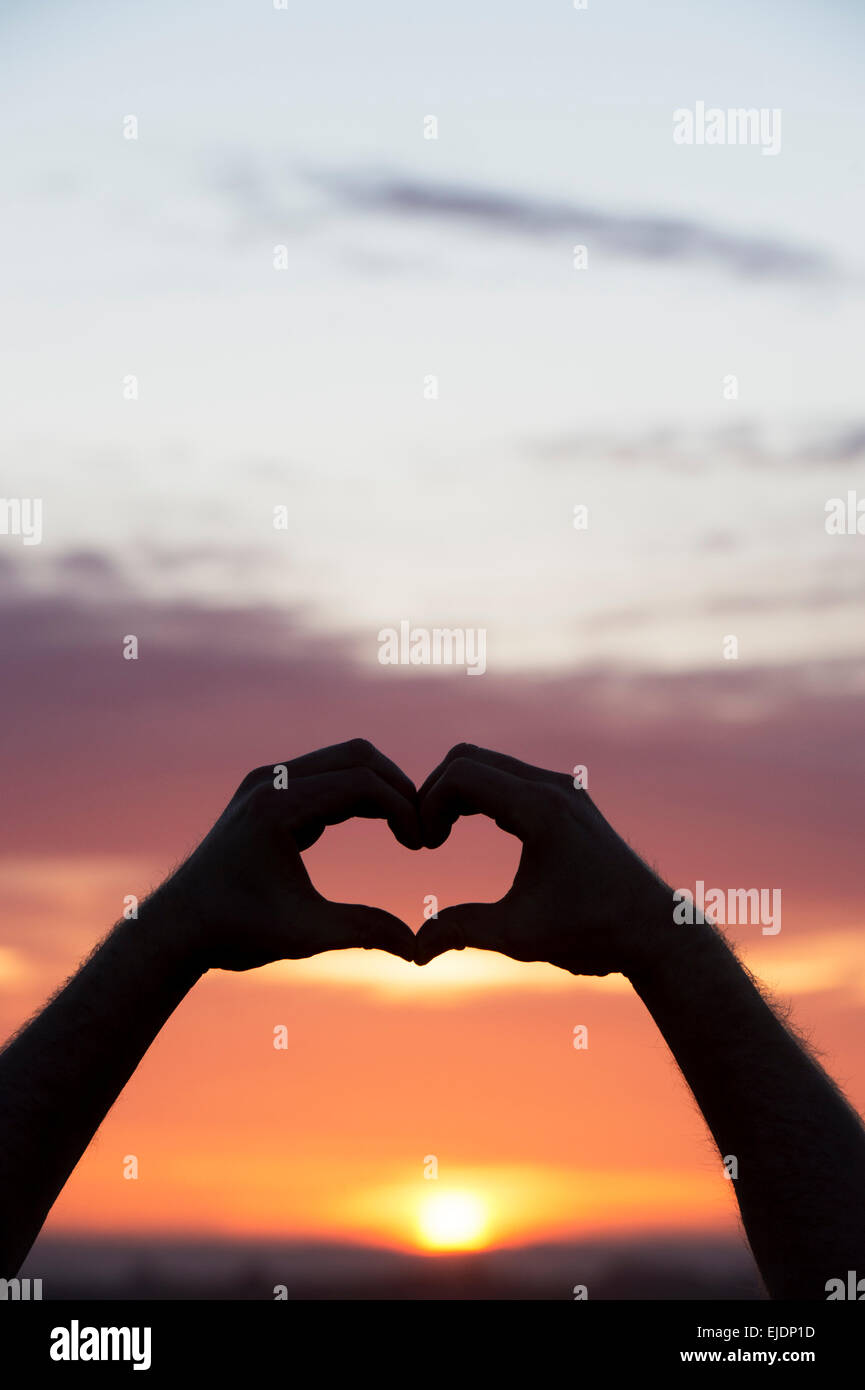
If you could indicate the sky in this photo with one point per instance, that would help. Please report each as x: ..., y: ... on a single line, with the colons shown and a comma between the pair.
x: 298, y: 135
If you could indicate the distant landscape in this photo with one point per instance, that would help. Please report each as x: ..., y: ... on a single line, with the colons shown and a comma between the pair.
x: 172, y: 1269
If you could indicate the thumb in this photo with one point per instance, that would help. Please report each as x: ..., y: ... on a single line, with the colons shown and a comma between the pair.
x: 468, y: 924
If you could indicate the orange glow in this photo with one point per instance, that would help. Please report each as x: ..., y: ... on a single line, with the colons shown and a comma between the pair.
x: 471, y: 1060
x: 452, y: 1221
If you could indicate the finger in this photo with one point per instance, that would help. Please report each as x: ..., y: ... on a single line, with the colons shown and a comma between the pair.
x: 469, y: 924
x: 341, y: 926
x: 306, y: 834
x: 356, y: 752
x: 335, y: 797
x: 339, y: 757
x: 467, y: 788
x: 502, y: 761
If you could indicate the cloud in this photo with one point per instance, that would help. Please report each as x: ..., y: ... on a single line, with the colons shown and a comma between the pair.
x: 814, y: 600
x: 818, y: 598
x: 280, y: 197
x: 749, y: 445
x: 716, y: 774
x: 645, y: 237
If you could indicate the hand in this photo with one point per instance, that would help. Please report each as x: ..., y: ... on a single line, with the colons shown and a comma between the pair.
x: 581, y: 898
x: 244, y: 898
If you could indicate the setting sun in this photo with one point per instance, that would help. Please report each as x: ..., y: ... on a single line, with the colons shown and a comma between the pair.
x: 453, y: 1221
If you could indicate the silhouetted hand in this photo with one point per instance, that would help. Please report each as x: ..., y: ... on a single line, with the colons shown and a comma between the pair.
x: 244, y: 898
x: 581, y: 898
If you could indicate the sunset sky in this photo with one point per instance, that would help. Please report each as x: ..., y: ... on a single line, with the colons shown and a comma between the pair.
x: 304, y: 388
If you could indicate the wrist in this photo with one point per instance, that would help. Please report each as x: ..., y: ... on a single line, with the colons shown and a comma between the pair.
x: 662, y: 950
x: 168, y: 926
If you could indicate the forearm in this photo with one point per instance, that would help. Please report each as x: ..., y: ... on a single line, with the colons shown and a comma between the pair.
x: 62, y: 1073
x: 799, y: 1147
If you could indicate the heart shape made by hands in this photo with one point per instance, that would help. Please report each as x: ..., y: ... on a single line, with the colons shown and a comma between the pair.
x: 580, y: 897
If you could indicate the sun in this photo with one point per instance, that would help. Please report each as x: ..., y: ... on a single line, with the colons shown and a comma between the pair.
x: 452, y: 1221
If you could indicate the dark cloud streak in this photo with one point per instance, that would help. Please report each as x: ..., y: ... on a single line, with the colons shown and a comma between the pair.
x: 748, y: 445
x: 672, y: 240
